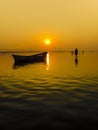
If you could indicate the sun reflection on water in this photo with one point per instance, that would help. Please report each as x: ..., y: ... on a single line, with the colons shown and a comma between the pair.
x: 47, y: 61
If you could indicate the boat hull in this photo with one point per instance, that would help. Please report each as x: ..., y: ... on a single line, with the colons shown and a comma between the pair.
x: 19, y: 59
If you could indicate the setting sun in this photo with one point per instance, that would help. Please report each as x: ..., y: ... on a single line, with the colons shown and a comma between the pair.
x: 47, y: 41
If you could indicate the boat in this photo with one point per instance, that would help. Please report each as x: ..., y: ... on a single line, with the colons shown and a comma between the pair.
x: 20, y: 59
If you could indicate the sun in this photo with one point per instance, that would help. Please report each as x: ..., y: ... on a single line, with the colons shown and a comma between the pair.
x: 47, y: 41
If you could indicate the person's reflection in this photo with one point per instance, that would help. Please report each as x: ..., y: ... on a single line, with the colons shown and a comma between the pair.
x: 76, y: 61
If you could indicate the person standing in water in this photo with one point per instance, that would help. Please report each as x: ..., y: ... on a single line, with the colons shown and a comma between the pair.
x: 76, y: 52
x: 76, y: 58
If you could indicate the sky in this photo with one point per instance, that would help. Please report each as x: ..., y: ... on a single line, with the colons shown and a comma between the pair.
x: 25, y: 24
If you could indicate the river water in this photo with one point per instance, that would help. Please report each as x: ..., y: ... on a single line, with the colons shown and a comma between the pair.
x: 61, y: 93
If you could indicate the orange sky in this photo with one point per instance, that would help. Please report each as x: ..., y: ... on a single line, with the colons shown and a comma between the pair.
x: 24, y: 24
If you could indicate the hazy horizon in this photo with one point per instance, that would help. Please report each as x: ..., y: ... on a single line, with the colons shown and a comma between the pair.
x: 25, y: 24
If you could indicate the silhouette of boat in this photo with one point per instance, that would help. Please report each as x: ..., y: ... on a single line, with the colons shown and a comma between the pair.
x: 20, y: 59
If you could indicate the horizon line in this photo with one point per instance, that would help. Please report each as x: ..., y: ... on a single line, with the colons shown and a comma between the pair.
x: 30, y: 51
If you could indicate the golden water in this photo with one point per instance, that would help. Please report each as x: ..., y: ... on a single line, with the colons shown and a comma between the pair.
x: 61, y: 93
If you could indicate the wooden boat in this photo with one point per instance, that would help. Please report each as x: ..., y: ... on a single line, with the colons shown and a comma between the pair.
x: 19, y: 59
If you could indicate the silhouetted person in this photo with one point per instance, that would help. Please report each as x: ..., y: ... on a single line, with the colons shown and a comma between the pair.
x: 76, y: 52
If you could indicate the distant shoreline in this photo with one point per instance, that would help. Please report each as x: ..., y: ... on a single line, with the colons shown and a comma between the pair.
x: 44, y: 50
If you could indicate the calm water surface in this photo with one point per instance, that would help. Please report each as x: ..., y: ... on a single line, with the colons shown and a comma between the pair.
x: 62, y: 93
